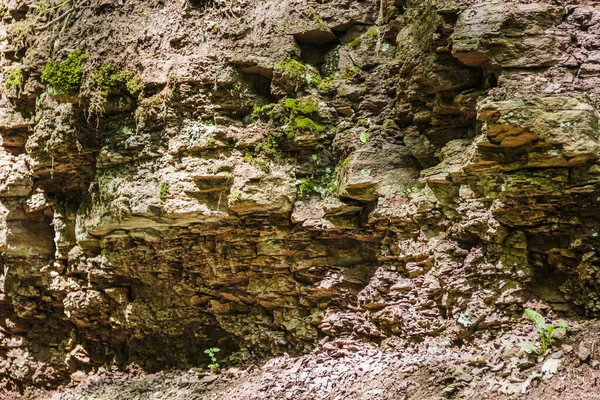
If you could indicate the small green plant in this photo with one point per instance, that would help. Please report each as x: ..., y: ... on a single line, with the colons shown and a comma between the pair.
x: 364, y: 137
x: 546, y: 332
x: 64, y: 77
x: 211, y: 353
x: 325, y: 184
x: 164, y: 190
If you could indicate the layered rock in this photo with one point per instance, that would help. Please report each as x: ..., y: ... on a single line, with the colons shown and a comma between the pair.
x: 255, y: 176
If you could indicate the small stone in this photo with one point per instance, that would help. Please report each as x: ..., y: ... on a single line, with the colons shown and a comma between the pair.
x: 558, y: 354
x: 461, y: 375
x: 567, y: 348
x: 497, y: 367
x: 209, y: 379
x: 583, y: 353
x: 461, y: 252
x: 550, y: 367
x: 464, y: 377
x: 329, y: 347
x: 450, y: 389
x: 78, y: 376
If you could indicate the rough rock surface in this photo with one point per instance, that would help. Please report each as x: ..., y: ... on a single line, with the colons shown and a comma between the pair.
x: 260, y: 175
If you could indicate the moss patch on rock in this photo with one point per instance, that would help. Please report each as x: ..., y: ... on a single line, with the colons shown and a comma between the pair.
x: 14, y: 80
x: 307, y: 124
x: 65, y: 77
x: 306, y: 105
x: 109, y: 80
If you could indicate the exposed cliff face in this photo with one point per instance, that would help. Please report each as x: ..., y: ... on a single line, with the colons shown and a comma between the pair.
x: 256, y: 175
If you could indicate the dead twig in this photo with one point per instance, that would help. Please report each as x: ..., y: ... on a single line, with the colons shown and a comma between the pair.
x: 60, y: 17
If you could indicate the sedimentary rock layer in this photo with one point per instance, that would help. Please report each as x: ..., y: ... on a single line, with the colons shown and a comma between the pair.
x: 256, y: 175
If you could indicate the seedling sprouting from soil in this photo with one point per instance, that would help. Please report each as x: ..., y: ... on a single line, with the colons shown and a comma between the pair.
x: 211, y: 353
x: 546, y: 332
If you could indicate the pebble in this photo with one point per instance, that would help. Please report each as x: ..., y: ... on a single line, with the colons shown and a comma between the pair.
x: 583, y: 353
x: 558, y: 354
x: 567, y: 348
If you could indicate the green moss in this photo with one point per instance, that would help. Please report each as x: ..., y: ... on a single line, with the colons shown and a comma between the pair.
x: 134, y: 84
x: 299, y: 71
x: 325, y: 85
x: 295, y: 68
x: 256, y: 111
x: 260, y: 111
x: 66, y: 76
x: 290, y: 103
x: 325, y: 184
x: 305, y: 105
x: 316, y: 17
x: 109, y: 80
x: 248, y: 157
x: 343, y: 164
x: 295, y: 116
x: 267, y: 147
x: 355, y: 43
x: 164, y: 190
x: 14, y: 80
x: 307, y: 124
x: 389, y: 124
x: 112, y: 80
x: 373, y: 32
x: 262, y: 165
x: 351, y: 72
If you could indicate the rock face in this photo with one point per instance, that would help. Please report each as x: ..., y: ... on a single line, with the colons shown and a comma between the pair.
x: 255, y: 175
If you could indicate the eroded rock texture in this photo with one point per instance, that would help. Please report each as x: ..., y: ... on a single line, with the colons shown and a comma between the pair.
x: 290, y: 170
